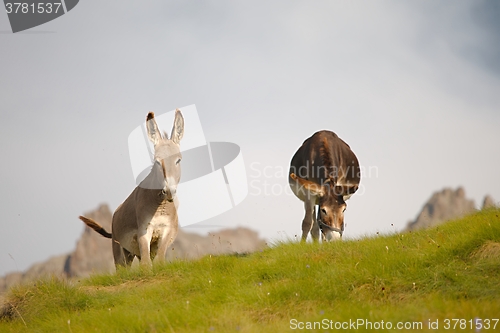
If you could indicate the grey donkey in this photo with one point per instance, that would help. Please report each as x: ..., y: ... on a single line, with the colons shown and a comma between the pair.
x: 146, y: 223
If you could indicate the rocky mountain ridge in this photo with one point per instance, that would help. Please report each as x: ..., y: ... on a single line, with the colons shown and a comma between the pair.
x: 446, y: 205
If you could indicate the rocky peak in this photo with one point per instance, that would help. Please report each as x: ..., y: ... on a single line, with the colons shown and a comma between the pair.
x: 444, y: 205
x: 93, y: 252
x: 488, y: 202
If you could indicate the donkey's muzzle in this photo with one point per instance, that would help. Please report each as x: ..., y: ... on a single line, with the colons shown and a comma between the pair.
x: 168, y: 194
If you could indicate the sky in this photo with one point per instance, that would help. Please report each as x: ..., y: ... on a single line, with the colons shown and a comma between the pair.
x: 413, y: 87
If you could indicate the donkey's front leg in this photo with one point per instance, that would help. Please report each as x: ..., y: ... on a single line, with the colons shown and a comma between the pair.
x: 315, y: 227
x: 308, y: 224
x: 168, y: 236
x: 144, y: 240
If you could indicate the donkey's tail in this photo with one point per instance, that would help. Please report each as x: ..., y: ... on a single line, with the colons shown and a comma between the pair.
x: 96, y: 226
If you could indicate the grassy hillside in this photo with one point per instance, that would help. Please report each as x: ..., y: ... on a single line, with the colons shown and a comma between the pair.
x: 437, y: 275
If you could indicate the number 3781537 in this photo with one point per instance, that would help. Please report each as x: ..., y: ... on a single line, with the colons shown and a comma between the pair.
x: 31, y: 8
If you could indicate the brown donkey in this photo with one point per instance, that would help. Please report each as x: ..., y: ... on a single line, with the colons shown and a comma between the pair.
x: 325, y: 172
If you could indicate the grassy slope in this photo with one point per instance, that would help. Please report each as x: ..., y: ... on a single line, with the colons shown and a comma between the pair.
x: 452, y: 271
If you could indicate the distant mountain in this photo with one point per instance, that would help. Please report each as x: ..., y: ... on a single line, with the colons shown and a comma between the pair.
x: 445, y: 205
x: 93, y: 252
x: 488, y: 202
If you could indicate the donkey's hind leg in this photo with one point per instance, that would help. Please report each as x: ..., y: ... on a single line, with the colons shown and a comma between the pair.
x: 122, y: 257
x: 129, y: 257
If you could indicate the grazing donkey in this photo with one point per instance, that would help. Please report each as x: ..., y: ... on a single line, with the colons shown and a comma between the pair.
x: 146, y: 223
x: 324, y: 171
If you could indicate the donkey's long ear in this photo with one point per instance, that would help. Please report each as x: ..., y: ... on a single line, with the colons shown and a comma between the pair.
x: 312, y: 187
x: 154, y: 133
x: 178, y: 129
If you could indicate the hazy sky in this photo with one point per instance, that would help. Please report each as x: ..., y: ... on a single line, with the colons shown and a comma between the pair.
x: 413, y: 87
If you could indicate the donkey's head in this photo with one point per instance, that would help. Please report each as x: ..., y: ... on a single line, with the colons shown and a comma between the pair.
x: 166, y: 171
x: 331, y: 200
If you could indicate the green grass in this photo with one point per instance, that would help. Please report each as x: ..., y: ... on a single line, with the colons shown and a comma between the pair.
x: 449, y: 272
